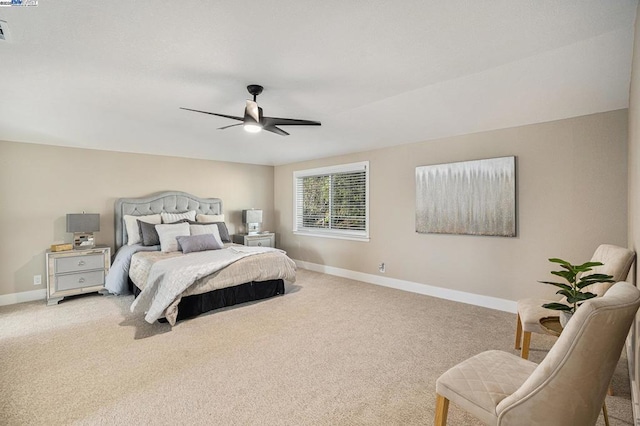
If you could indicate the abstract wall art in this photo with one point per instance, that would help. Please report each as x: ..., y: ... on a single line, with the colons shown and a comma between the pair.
x: 470, y: 197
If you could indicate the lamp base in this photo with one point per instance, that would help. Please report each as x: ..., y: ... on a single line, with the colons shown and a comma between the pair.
x: 83, y: 240
x: 253, y: 228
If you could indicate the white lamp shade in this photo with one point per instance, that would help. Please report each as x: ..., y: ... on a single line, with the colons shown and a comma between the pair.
x: 252, y: 216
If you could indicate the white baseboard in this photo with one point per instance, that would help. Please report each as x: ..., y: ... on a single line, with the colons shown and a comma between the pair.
x: 429, y: 290
x: 24, y: 296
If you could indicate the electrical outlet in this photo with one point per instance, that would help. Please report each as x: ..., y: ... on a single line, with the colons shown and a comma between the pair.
x: 37, y: 280
x: 381, y: 268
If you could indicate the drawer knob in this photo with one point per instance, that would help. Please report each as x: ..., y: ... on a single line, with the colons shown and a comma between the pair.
x: 81, y: 263
x: 259, y: 244
x: 81, y: 280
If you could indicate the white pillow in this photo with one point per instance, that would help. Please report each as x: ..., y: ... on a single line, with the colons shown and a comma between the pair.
x: 210, y: 218
x: 207, y: 229
x: 174, y: 217
x: 168, y: 234
x: 133, y: 232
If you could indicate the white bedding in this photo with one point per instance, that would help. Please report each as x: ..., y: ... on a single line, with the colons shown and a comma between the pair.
x: 165, y: 278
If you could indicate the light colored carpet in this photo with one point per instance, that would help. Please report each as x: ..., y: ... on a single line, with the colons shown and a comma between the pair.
x: 330, y: 352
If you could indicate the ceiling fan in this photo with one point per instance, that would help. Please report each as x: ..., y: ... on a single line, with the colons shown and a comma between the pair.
x: 253, y: 120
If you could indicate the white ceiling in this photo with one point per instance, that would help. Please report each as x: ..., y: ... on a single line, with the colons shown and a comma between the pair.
x: 112, y: 75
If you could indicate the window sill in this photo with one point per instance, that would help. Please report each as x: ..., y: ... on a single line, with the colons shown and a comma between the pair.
x: 334, y: 236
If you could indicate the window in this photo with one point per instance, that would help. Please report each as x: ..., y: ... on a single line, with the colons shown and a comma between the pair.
x: 332, y: 201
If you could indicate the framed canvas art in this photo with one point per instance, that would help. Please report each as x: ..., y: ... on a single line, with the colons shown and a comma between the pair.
x: 469, y: 197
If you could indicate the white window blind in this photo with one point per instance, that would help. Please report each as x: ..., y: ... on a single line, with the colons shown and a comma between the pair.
x: 332, y: 201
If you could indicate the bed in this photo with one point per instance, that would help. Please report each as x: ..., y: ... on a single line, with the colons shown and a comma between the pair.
x: 170, y: 285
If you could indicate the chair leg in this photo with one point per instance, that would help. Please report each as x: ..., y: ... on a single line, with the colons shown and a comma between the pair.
x: 518, y: 332
x: 526, y: 341
x: 442, y: 408
x: 610, y: 391
x: 605, y: 414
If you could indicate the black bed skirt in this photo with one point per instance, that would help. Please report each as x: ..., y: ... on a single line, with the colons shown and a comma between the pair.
x: 191, y: 306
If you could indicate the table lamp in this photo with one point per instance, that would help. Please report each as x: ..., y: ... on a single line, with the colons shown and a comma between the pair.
x: 83, y: 225
x: 252, y: 219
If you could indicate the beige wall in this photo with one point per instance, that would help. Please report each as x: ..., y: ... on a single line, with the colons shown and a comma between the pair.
x: 572, y: 186
x: 40, y: 184
x: 634, y: 196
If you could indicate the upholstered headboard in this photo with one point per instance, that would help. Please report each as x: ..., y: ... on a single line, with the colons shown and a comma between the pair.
x: 168, y: 201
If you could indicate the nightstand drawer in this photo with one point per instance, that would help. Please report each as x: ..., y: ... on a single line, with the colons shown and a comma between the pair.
x: 85, y: 279
x: 263, y: 239
x: 79, y: 263
x: 259, y: 242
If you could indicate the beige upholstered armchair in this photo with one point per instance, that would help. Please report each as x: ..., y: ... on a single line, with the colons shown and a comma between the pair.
x: 617, y: 262
x: 567, y: 388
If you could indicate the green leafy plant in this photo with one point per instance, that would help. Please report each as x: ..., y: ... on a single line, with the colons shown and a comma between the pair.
x: 577, y: 280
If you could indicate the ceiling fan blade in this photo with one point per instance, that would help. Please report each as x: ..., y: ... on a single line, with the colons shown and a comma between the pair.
x: 230, y: 125
x: 252, y: 110
x: 233, y: 117
x: 274, y: 121
x: 274, y: 129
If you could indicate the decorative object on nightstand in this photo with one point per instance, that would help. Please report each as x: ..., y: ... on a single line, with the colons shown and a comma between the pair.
x: 252, y: 220
x: 76, y: 272
x: 263, y: 239
x: 83, y: 225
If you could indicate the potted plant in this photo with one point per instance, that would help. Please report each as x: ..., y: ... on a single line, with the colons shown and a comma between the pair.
x: 572, y: 292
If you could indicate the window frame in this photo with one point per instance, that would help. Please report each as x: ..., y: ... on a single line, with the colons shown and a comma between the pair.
x: 332, y: 233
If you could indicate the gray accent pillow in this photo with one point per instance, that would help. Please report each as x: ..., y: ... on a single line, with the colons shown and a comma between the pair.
x: 224, y: 232
x: 148, y: 234
x: 222, y: 229
x: 193, y: 243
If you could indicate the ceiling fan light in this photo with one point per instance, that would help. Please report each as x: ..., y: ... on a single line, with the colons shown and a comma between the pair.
x: 252, y: 128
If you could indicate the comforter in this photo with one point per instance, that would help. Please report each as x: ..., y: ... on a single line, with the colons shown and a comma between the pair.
x: 165, y: 278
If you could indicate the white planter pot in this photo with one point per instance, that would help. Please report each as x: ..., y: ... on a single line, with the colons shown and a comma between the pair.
x: 565, y: 317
